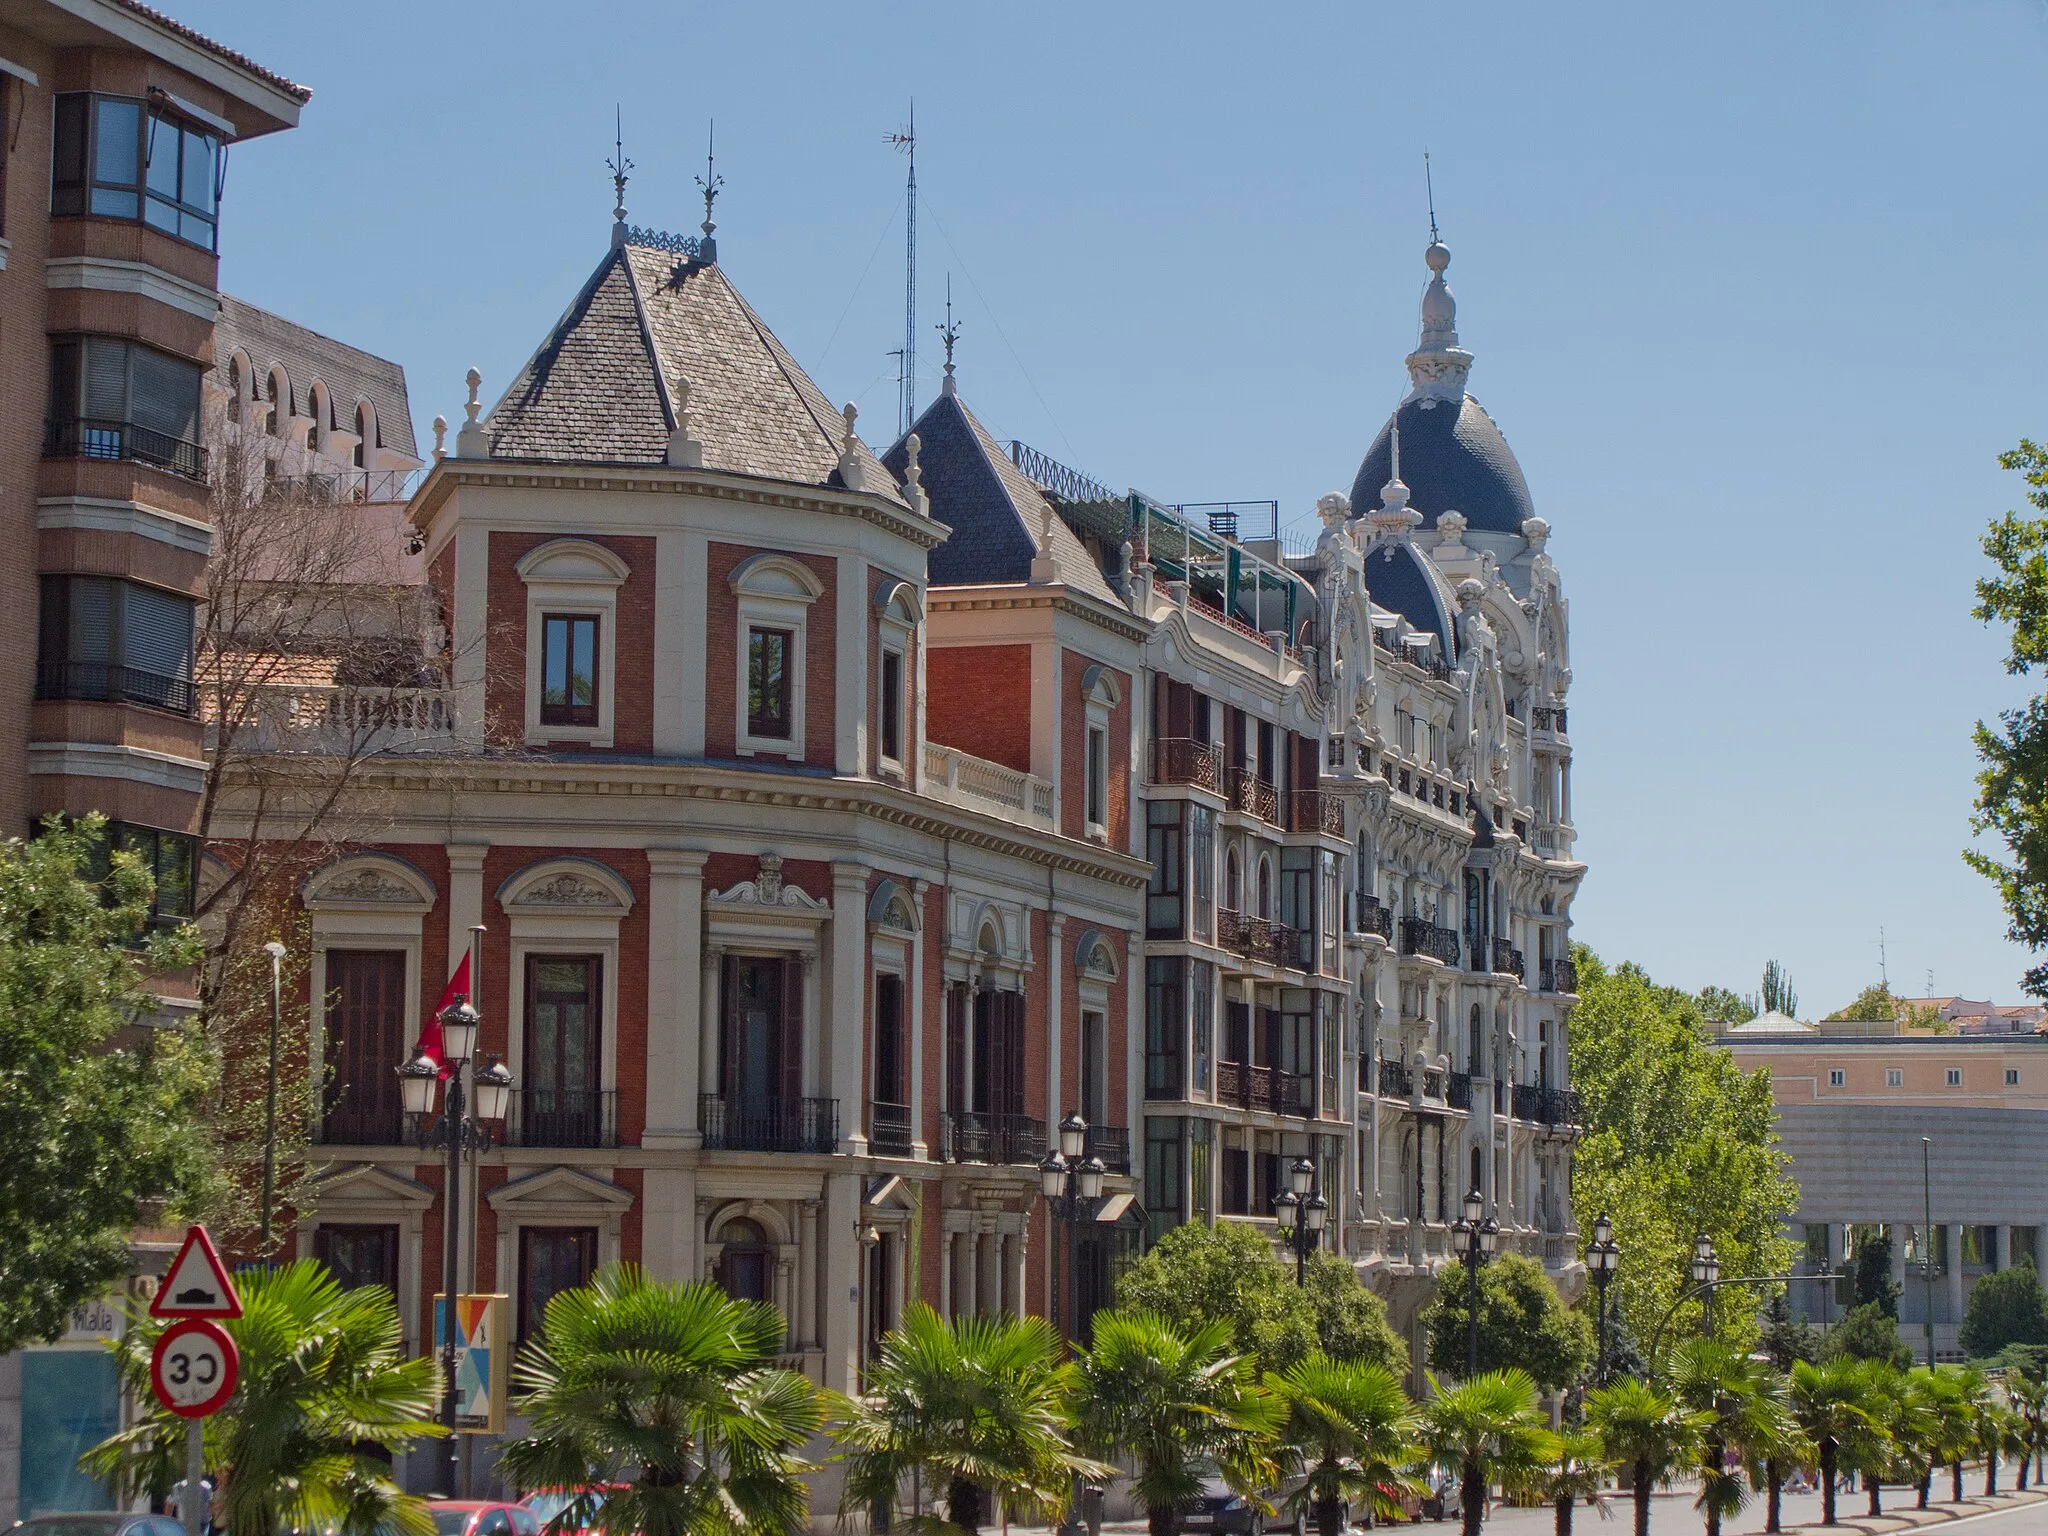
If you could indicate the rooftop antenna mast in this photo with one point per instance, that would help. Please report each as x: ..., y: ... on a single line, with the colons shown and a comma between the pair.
x: 1429, y: 185
x: 905, y: 139
x: 1884, y: 977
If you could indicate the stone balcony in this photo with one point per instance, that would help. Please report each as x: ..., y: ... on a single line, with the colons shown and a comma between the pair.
x: 976, y: 784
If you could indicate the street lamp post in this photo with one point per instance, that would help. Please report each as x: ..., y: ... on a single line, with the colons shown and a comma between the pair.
x: 457, y: 1131
x: 1068, y: 1180
x: 1927, y: 1243
x: 1480, y: 1238
x: 276, y: 951
x: 1603, y: 1258
x: 1303, y: 1214
x: 1706, y: 1271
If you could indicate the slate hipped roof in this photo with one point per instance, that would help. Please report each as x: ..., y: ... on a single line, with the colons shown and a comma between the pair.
x: 995, y: 510
x: 598, y: 390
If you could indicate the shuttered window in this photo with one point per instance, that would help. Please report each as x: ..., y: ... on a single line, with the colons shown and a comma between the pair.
x: 114, y: 399
x: 101, y: 638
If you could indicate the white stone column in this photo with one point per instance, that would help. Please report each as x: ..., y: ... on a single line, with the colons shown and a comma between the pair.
x: 1896, y: 1233
x: 712, y: 1024
x: 806, y: 1329
x: 468, y: 628
x: 847, y: 1002
x: 675, y: 892
x: 839, y: 1308
x: 1055, y: 934
x: 1955, y: 1274
x: 968, y: 1298
x: 914, y: 1021
x: 946, y: 1262
x: 2005, y: 1247
x: 850, y: 666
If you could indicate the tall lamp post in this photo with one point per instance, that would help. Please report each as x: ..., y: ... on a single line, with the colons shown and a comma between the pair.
x: 1069, y: 1180
x: 457, y: 1131
x: 1480, y: 1238
x: 1303, y: 1214
x: 276, y: 951
x: 1706, y: 1271
x: 1603, y: 1258
x: 1927, y: 1266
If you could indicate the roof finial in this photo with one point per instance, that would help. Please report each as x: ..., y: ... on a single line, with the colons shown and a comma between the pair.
x: 949, y: 333
x: 1429, y: 185
x: 913, y: 477
x: 1438, y: 366
x: 470, y: 442
x: 684, y: 451
x: 1393, y: 516
x: 440, y: 438
x: 708, y: 184
x: 620, y: 165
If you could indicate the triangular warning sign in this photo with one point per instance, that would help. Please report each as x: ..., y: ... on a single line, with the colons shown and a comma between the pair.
x: 197, y: 1283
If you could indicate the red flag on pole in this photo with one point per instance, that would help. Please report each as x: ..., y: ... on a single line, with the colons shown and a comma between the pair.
x: 430, y: 1033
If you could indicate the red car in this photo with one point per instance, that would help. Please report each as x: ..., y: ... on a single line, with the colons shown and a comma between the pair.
x: 548, y: 1503
x: 482, y: 1517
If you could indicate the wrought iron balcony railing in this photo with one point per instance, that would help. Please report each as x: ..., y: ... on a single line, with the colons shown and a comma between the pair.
x: 1560, y: 976
x: 1254, y: 796
x: 888, y: 1129
x: 971, y: 1136
x: 561, y: 1117
x: 128, y: 685
x: 1419, y: 936
x: 1507, y: 960
x: 1184, y: 760
x: 771, y: 1125
x: 82, y: 437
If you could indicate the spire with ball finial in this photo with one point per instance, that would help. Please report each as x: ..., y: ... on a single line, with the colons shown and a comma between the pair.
x: 1438, y: 366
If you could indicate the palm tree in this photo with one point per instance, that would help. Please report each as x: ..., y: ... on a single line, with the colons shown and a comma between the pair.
x: 1832, y: 1404
x: 1990, y: 1421
x: 1492, y: 1428
x: 1744, y: 1409
x: 974, y: 1406
x: 1958, y: 1410
x: 1163, y: 1402
x: 1917, y: 1429
x: 667, y: 1396
x: 2030, y: 1401
x: 1355, y: 1432
x: 1579, y: 1471
x: 1888, y: 1409
x: 324, y: 1379
x: 1646, y: 1430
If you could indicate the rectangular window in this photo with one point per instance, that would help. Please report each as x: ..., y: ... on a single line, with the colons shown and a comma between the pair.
x: 1894, y: 1077
x: 768, y: 682
x: 1816, y: 1245
x: 115, y: 399
x: 366, y: 1044
x: 1165, y: 1026
x: 115, y: 159
x: 892, y: 706
x: 2025, y: 1244
x: 101, y: 638
x: 1201, y: 1019
x: 1237, y: 1188
x: 1094, y: 1070
x: 561, y: 1102
x: 551, y: 1260
x: 1836, y: 1077
x: 1202, y: 863
x: 1163, y: 913
x: 889, y: 1111
x: 1098, y: 777
x: 1165, y: 1178
x: 1980, y: 1245
x: 359, y: 1255
x: 2012, y: 1077
x: 568, y: 669
x: 1955, y: 1077
x: 1201, y: 1203
x: 1298, y: 906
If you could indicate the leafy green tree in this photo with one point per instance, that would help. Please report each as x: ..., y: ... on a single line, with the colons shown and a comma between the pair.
x: 1873, y: 1005
x: 1492, y: 1428
x: 1868, y: 1332
x: 668, y: 1397
x: 1833, y: 1405
x: 1778, y: 995
x: 1678, y: 1141
x: 1196, y: 1274
x: 1646, y: 1430
x: 324, y: 1383
x: 1522, y: 1323
x: 1785, y: 1339
x: 101, y: 1114
x: 2008, y: 1307
x: 1579, y: 1471
x: 2012, y: 787
x: 972, y: 1405
x: 1163, y: 1402
x: 1871, y: 1281
x: 1355, y: 1432
x: 1718, y: 1005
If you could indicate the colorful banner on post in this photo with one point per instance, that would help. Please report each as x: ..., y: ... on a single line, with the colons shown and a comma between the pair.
x: 483, y: 1360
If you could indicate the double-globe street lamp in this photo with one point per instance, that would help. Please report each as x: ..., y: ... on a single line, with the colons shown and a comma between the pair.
x: 457, y: 1131
x: 1479, y: 1237
x: 1603, y: 1258
x: 1706, y: 1273
x: 1070, y: 1182
x: 1303, y: 1214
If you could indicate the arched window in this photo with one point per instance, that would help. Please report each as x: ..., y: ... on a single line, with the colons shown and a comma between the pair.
x: 744, y: 1261
x: 1233, y: 883
x: 316, y: 407
x: 277, y: 399
x: 1266, y: 888
x: 1477, y: 1168
x: 236, y: 383
x: 1475, y: 1047
x: 362, y: 450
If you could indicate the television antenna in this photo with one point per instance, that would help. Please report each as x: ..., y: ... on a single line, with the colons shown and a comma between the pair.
x: 905, y: 139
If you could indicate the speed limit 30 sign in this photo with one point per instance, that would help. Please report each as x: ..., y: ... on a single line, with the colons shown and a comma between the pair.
x: 194, y: 1368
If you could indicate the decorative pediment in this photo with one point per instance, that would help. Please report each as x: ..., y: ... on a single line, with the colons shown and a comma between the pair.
x: 368, y: 1184
x: 551, y: 1191
x: 376, y: 880
x: 889, y: 1192
x: 767, y: 890
x: 779, y: 576
x: 891, y: 909
x: 581, y: 886
x: 1094, y: 957
x: 572, y: 560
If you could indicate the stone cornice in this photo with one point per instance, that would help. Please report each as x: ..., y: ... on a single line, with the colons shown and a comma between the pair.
x: 659, y: 479
x: 989, y: 599
x: 738, y: 786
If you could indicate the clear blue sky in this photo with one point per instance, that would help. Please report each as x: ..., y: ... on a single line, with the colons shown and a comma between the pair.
x: 1755, y: 292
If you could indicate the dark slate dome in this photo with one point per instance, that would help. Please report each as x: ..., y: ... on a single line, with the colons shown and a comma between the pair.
x: 1400, y: 581
x: 1451, y: 461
